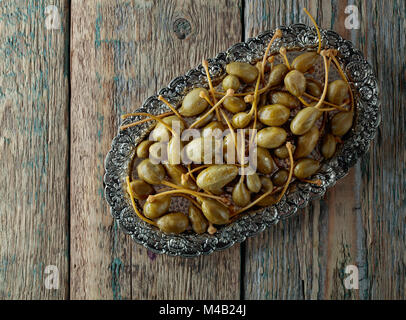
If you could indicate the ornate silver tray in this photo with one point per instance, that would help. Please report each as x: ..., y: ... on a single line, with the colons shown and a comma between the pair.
x: 296, y: 36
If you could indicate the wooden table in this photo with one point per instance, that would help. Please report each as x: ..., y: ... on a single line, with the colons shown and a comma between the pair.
x: 62, y: 91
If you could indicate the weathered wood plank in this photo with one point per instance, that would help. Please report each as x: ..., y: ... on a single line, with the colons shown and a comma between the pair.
x: 122, y: 53
x: 34, y: 120
x: 359, y: 221
x: 100, y: 256
x: 383, y: 171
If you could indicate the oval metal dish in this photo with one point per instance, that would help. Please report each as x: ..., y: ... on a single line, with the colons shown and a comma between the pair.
x: 367, y: 119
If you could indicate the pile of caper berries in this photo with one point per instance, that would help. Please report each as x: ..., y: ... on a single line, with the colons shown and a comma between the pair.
x: 296, y: 117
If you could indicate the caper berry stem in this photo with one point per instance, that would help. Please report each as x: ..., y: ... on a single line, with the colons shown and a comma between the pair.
x: 317, y: 29
x: 341, y: 107
x: 205, y: 65
x: 282, y: 52
x: 152, y: 198
x: 139, y: 214
x: 161, y: 98
x: 277, y: 34
x: 229, y: 93
x: 289, y: 147
x: 147, y: 115
x: 317, y: 182
x: 163, y: 115
x: 326, y: 69
x: 185, y: 176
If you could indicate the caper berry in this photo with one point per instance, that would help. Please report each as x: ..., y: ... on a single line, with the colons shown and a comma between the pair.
x: 241, y: 195
x: 341, y: 123
x: 193, y: 104
x: 313, y: 87
x: 295, y: 83
x: 157, y: 208
x: 140, y: 189
x: 307, y: 142
x: 273, y: 114
x: 328, y: 148
x: 271, y: 137
x: 304, y: 61
x: 215, y: 212
x: 197, y: 219
x: 304, y: 120
x: 337, y: 92
x: 231, y: 82
x: 215, y: 177
x: 265, y: 163
x: 143, y: 149
x: 234, y: 104
x: 246, y: 72
x: 280, y: 177
x: 305, y: 168
x: 175, y: 223
x: 149, y: 172
x: 284, y: 98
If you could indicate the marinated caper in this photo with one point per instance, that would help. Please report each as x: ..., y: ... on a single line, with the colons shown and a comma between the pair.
x: 197, y: 219
x: 215, y: 212
x: 281, y: 152
x: 175, y: 172
x: 337, y: 92
x: 277, y: 74
x: 304, y: 120
x: 295, y: 83
x: 246, y: 72
x: 271, y: 137
x: 234, y: 104
x: 193, y: 104
x: 175, y: 223
x: 201, y: 149
x: 266, y: 184
x: 273, y: 114
x: 157, y: 208
x: 307, y: 142
x: 141, y: 190
x: 284, y: 98
x: 304, y: 61
x: 241, y: 195
x: 313, y: 87
x: 305, y: 168
x: 174, y: 148
x: 215, y: 177
x: 328, y: 148
x: 265, y: 163
x: 149, y: 172
x: 161, y: 133
x: 143, y: 149
x: 267, y: 201
x: 209, y: 129
x: 231, y: 82
x: 253, y: 182
x: 280, y: 177
x: 341, y: 123
x: 241, y: 120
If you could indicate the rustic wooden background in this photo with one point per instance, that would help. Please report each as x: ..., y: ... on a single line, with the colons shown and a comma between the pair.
x: 61, y: 94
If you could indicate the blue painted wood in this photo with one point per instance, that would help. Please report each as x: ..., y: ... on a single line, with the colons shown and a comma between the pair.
x: 34, y: 119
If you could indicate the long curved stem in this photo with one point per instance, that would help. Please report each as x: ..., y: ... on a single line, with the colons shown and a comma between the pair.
x: 146, y: 115
x: 317, y: 29
x: 139, y: 214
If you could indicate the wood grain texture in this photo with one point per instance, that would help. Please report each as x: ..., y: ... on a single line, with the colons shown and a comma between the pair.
x: 122, y: 53
x: 361, y: 221
x: 34, y: 147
